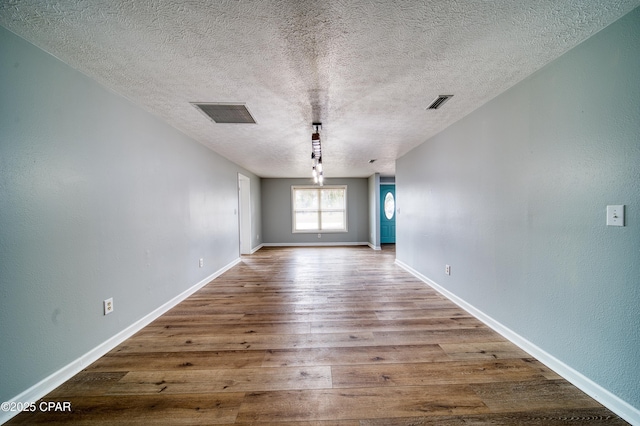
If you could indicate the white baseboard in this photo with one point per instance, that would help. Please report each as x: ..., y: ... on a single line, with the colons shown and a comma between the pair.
x: 622, y: 408
x: 313, y: 245
x: 48, y: 384
x: 318, y: 244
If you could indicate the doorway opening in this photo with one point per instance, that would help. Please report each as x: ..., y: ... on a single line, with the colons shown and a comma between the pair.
x: 244, y: 207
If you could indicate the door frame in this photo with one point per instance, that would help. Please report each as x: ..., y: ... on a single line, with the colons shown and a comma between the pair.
x: 381, y: 210
x: 244, y: 216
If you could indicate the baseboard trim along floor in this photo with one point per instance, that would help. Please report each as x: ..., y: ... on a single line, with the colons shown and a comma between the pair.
x: 46, y: 385
x: 588, y: 386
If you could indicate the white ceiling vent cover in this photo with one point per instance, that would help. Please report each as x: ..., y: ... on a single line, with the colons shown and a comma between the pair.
x: 225, y: 113
x: 439, y: 101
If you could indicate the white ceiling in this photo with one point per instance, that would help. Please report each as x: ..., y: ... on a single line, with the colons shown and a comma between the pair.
x: 366, y: 69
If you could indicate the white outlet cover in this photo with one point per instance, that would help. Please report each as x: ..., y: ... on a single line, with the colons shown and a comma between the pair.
x: 108, y: 305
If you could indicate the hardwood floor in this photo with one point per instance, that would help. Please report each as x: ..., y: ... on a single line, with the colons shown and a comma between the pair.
x: 319, y: 336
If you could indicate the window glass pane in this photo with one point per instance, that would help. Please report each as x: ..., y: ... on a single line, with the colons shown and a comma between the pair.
x: 317, y: 209
x: 389, y: 206
x: 306, y: 221
x: 306, y: 199
x: 332, y: 199
x: 332, y: 221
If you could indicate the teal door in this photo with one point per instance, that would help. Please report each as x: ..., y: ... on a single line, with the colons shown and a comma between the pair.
x: 387, y: 214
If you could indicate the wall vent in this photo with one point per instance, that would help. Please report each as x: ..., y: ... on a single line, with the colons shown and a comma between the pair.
x: 225, y: 113
x: 439, y: 101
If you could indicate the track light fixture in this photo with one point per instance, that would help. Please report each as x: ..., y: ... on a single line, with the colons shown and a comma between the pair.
x: 316, y: 155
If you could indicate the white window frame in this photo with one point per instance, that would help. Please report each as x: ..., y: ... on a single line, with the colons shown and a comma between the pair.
x: 319, y: 210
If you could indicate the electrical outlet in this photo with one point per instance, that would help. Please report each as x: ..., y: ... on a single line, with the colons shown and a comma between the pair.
x: 319, y: 235
x: 201, y: 262
x: 108, y: 305
x: 447, y: 269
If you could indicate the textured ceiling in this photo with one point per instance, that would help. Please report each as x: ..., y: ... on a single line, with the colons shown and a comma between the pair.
x: 366, y: 69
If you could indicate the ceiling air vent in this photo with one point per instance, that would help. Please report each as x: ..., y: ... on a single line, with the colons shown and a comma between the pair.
x: 439, y: 101
x: 226, y: 113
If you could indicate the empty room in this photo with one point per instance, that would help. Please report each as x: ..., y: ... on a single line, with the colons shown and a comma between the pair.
x: 301, y: 213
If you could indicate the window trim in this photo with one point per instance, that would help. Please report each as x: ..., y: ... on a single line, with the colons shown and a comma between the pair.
x: 319, y: 189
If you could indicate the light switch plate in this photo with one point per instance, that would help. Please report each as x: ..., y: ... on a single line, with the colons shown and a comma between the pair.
x: 615, y: 215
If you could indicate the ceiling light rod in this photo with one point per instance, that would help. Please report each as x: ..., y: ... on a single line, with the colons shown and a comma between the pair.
x: 316, y: 155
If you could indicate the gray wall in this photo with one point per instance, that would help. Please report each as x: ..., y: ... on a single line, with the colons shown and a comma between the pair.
x: 98, y: 199
x: 277, y: 220
x: 513, y: 197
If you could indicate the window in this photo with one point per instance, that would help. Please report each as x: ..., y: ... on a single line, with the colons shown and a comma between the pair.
x: 389, y: 206
x: 319, y: 209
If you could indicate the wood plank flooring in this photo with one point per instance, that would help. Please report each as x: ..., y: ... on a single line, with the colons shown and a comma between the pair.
x: 319, y: 336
